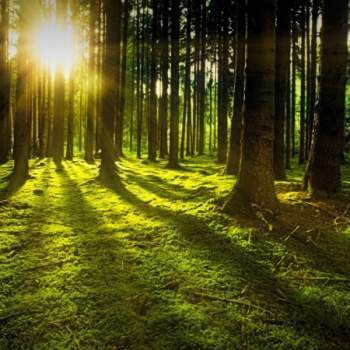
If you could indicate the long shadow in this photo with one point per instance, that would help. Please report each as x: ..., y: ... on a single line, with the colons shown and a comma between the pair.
x: 223, y: 251
x: 108, y: 278
x: 165, y: 189
x: 19, y: 287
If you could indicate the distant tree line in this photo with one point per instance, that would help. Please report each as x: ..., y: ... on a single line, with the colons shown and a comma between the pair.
x: 259, y: 83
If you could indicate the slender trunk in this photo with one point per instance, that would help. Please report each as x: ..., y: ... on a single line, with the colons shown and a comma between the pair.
x: 236, y: 127
x: 4, y: 84
x: 174, y: 118
x: 282, y: 67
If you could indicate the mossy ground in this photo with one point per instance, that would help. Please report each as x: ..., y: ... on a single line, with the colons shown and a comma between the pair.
x: 156, y: 265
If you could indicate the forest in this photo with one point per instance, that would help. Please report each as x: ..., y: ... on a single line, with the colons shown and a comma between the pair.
x: 174, y: 174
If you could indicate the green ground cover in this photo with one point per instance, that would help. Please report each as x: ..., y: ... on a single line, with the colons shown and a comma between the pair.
x: 157, y: 265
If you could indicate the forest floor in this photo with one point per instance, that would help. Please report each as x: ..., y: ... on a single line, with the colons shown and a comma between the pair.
x: 156, y: 264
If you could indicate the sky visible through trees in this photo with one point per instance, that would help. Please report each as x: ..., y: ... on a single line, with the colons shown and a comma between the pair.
x: 174, y: 127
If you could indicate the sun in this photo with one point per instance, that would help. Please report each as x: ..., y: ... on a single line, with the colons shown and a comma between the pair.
x: 54, y: 46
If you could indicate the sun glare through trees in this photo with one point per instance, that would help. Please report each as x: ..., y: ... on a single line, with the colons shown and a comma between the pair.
x: 54, y: 46
x: 174, y: 175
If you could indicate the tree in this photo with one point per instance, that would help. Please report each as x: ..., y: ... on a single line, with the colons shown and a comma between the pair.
x: 59, y: 96
x: 21, y: 119
x: 325, y: 172
x: 302, y: 83
x: 223, y: 81
x: 255, y: 184
x: 5, y: 127
x: 91, y: 107
x: 163, y: 121
x: 108, y: 169
x: 282, y: 69
x: 174, y: 118
x: 152, y: 125
x: 233, y: 160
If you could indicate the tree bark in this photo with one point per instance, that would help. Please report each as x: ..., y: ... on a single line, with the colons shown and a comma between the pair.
x: 255, y: 184
x: 282, y: 68
x: 232, y: 166
x: 325, y: 172
x: 175, y: 58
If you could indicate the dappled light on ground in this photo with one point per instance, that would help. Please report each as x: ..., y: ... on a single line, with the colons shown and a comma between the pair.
x: 155, y: 264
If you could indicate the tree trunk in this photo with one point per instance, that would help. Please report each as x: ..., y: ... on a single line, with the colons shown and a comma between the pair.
x: 5, y: 141
x: 174, y: 118
x: 152, y: 126
x: 21, y: 120
x: 302, y: 84
x: 59, y: 98
x: 91, y: 103
x: 233, y: 161
x: 108, y: 169
x: 325, y: 172
x: 282, y: 68
x: 123, y: 73
x: 255, y: 183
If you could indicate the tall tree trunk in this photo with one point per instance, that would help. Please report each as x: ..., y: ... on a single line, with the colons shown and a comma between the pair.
x: 255, y: 183
x: 233, y: 160
x: 126, y: 12
x: 163, y: 144
x: 223, y: 85
x: 325, y: 174
x: 21, y: 120
x: 282, y: 68
x: 71, y: 110
x: 302, y: 84
x: 59, y: 98
x: 152, y: 126
x: 5, y: 141
x: 110, y: 68
x: 175, y: 58
x: 202, y: 71
x: 91, y: 103
x: 118, y: 141
x: 186, y: 121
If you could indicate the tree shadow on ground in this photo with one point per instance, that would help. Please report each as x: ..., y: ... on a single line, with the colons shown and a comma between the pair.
x: 314, y: 318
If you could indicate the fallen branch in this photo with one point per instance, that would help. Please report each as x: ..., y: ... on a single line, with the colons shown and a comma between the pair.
x: 292, y: 233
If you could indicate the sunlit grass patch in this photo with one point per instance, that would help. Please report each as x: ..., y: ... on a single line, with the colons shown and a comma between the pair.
x: 156, y: 264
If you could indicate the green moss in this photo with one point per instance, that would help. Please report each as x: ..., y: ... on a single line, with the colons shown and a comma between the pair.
x: 155, y: 265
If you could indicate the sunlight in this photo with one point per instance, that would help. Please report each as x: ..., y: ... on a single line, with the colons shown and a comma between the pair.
x: 55, y: 46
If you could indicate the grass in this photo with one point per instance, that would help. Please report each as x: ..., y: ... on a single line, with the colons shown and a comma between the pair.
x: 156, y: 265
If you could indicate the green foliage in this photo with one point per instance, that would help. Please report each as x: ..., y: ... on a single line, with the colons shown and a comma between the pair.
x: 155, y: 265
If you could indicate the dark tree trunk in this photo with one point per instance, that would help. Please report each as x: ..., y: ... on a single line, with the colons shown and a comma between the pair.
x: 126, y: 12
x: 233, y: 160
x: 152, y: 126
x: 302, y: 84
x: 313, y: 70
x: 293, y: 79
x: 163, y: 142
x: 325, y: 174
x: 186, y: 121
x: 202, y: 72
x: 223, y: 84
x: 118, y: 121
x: 5, y: 140
x: 21, y: 119
x: 174, y: 117
x: 91, y: 103
x: 255, y: 183
x: 59, y: 98
x: 110, y: 68
x: 282, y: 68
